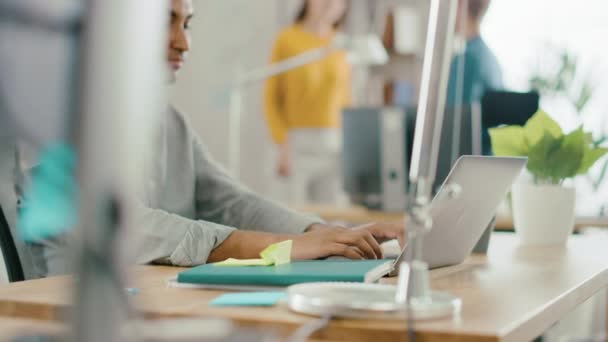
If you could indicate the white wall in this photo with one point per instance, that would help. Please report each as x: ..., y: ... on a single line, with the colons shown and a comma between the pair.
x: 226, y: 35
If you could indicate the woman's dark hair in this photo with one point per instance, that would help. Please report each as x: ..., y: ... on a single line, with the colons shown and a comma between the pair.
x: 304, y: 12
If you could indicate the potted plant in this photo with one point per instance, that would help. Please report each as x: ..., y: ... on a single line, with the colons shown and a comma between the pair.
x: 563, y: 84
x: 544, y: 209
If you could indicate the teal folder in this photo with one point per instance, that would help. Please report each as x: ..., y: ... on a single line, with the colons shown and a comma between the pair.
x: 296, y: 272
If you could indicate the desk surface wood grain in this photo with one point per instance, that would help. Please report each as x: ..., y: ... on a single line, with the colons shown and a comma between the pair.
x: 513, y: 294
x: 360, y: 215
x: 11, y: 328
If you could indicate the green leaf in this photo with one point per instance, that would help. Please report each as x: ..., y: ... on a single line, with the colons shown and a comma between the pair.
x: 555, y: 159
x: 566, y: 161
x: 537, y: 125
x: 539, y: 154
x: 588, y: 138
x: 508, y: 141
x: 590, y: 157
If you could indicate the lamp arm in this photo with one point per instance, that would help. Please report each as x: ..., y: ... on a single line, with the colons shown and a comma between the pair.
x: 283, y: 66
x: 433, y: 90
x: 414, y: 282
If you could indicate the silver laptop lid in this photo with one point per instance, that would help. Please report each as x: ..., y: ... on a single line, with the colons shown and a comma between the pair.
x: 459, y: 222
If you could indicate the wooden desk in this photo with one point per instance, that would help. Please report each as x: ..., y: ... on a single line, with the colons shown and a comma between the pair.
x: 360, y: 215
x: 513, y: 294
x: 10, y: 328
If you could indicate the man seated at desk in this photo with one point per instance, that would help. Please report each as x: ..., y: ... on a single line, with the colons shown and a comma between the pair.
x: 191, y: 208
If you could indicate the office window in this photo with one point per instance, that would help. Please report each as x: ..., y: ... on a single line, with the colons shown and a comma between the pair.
x: 526, y: 34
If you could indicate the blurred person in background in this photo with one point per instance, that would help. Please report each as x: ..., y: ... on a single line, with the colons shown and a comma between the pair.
x: 482, y: 71
x: 303, y: 106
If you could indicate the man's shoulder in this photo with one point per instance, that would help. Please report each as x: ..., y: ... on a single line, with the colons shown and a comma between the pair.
x: 180, y: 123
x: 481, y: 56
x: 177, y: 115
x: 479, y: 50
x: 178, y: 119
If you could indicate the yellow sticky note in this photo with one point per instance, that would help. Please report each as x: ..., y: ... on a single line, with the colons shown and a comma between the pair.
x: 278, y: 253
x: 275, y: 254
x: 244, y: 262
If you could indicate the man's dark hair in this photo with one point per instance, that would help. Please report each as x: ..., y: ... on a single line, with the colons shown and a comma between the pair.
x: 478, y: 8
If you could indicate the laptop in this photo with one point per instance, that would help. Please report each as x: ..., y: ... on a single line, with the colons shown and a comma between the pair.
x: 458, y: 223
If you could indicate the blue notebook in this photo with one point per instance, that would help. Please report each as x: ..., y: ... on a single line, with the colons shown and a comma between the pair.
x: 296, y: 272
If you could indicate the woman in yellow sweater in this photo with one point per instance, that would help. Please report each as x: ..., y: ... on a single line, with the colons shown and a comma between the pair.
x: 303, y: 106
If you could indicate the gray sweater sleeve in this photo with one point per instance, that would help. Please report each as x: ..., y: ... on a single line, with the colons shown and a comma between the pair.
x: 161, y: 237
x: 221, y: 206
x: 176, y: 240
x: 221, y: 199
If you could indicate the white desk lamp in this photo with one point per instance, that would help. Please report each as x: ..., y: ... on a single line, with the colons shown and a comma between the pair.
x: 412, y: 296
x: 414, y: 286
x: 361, y: 50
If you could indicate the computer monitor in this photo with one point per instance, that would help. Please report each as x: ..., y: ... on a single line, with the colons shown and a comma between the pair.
x: 37, y: 99
x: 461, y: 135
x: 375, y: 164
x: 377, y: 148
x: 506, y: 108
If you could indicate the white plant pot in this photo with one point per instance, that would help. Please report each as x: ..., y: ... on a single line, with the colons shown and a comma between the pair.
x: 543, y: 215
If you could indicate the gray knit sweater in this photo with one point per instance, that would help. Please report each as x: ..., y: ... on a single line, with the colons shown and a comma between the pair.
x: 188, y: 206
